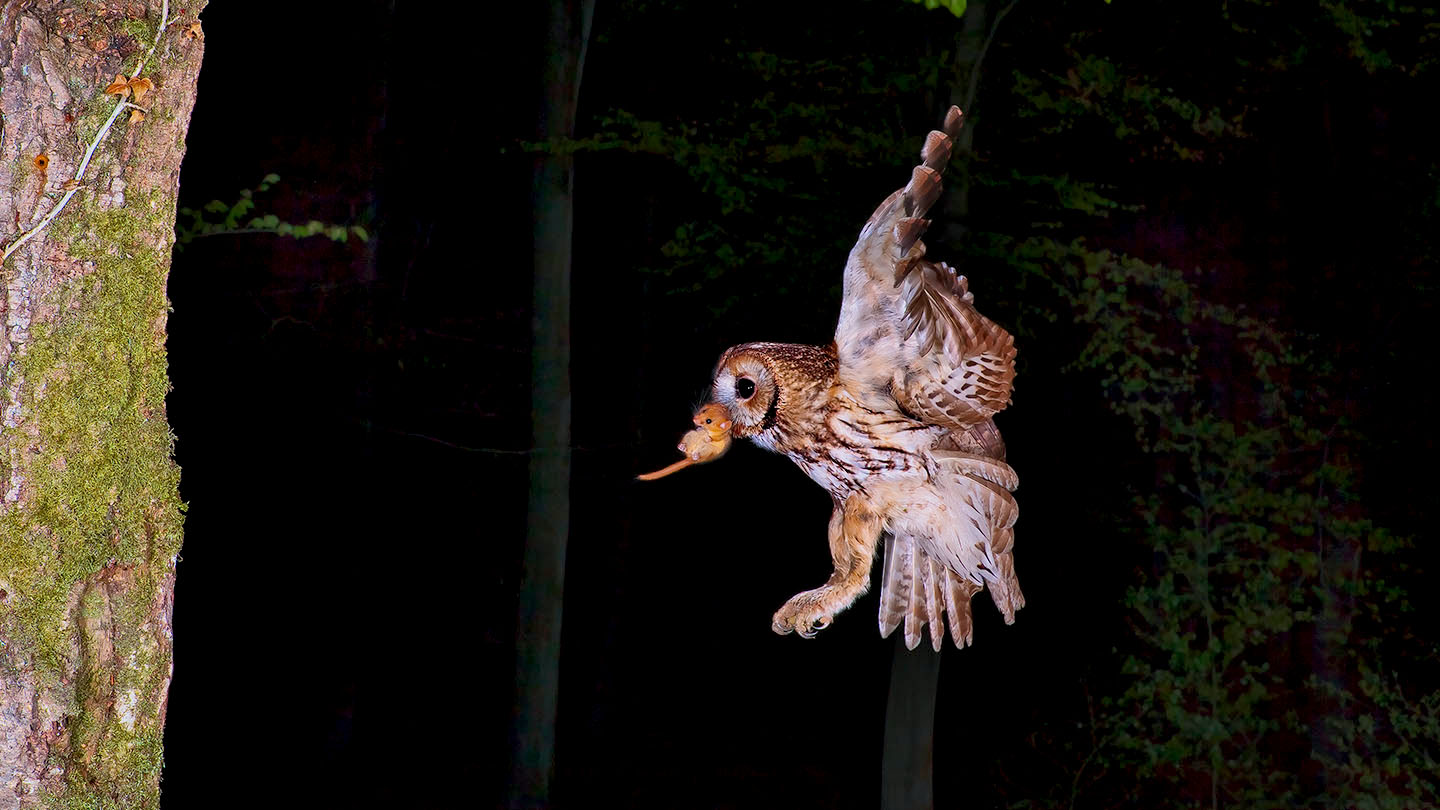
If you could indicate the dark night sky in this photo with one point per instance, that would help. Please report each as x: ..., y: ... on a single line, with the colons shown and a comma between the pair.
x: 351, y: 423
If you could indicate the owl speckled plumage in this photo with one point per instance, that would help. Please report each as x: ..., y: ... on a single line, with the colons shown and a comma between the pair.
x: 894, y: 420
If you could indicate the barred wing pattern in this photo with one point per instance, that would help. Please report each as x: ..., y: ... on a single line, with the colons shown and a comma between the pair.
x: 909, y: 333
x: 908, y: 326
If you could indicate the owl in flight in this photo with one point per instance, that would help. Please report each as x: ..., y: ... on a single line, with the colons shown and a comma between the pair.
x: 895, y: 420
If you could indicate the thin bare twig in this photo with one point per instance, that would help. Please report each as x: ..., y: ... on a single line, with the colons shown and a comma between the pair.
x: 975, y: 71
x: 72, y: 185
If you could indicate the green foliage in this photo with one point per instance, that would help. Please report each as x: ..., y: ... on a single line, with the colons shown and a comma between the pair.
x: 1388, y: 732
x: 218, y: 218
x: 956, y: 7
x: 754, y: 185
x: 1149, y: 120
x: 1380, y: 35
x: 1252, y: 521
x: 1229, y: 577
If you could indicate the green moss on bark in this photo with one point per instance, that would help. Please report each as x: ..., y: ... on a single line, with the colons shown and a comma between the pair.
x: 141, y: 30
x: 104, y: 488
x: 91, y: 118
x: 101, y: 518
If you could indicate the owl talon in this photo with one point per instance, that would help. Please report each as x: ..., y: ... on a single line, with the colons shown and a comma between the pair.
x: 802, y: 616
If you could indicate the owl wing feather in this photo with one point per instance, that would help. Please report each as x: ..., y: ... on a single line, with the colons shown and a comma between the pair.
x: 909, y: 330
x: 908, y: 326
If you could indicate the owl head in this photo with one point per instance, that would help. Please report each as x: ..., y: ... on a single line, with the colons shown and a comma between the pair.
x: 746, y: 385
x: 769, y: 386
x: 761, y: 391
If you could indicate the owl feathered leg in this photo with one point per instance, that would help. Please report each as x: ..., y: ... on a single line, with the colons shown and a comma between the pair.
x: 854, y: 532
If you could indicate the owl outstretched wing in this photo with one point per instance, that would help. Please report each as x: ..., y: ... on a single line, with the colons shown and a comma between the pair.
x: 908, y: 325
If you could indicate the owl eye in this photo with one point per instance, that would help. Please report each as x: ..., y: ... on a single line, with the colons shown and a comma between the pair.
x: 745, y: 388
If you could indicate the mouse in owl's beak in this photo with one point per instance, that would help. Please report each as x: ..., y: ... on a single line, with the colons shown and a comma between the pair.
x: 707, y: 442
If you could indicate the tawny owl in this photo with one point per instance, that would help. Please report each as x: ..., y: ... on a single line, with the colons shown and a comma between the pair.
x: 894, y: 419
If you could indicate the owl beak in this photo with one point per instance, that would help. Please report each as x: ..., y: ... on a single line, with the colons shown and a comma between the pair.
x: 707, y: 442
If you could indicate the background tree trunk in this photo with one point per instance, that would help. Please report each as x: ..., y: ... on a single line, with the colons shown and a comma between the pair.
x: 907, y: 767
x: 542, y: 580
x: 90, y: 515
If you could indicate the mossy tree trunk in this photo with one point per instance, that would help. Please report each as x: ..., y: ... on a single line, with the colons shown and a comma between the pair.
x: 90, y: 516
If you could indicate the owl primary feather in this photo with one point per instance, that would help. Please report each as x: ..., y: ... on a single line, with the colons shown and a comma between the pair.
x: 895, y: 420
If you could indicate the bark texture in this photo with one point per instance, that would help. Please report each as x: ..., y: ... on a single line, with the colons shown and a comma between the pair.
x: 90, y: 516
x: 907, y: 767
x: 542, y: 580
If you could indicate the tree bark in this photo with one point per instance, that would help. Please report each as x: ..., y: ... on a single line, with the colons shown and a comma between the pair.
x: 90, y: 515
x: 907, y: 768
x: 542, y: 579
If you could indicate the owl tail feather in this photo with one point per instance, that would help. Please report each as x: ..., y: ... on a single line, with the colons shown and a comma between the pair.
x: 1005, y: 590
x: 918, y: 591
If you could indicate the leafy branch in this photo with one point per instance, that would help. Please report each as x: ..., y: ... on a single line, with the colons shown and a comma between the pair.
x: 232, y: 220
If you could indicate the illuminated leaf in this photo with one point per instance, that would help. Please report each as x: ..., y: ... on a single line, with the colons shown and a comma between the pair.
x: 136, y: 115
x: 956, y: 7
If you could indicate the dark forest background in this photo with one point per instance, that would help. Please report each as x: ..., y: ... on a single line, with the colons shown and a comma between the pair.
x: 1211, y: 227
